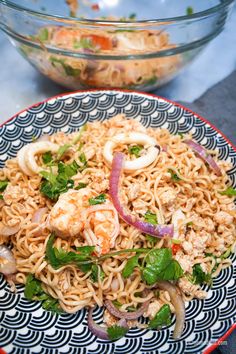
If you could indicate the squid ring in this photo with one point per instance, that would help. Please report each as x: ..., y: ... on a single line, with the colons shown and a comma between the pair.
x: 128, y: 138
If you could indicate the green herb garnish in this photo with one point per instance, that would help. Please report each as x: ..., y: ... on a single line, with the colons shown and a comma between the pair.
x: 135, y: 150
x: 162, y: 318
x: 199, y: 276
x: 54, y: 185
x: 189, y: 10
x: 84, y: 43
x: 150, y: 217
x: 98, y: 200
x: 43, y: 35
x: 181, y: 135
x: 151, y: 81
x: 230, y: 191
x: 47, y: 157
x: 116, y: 332
x: 34, y: 291
x: 67, y: 68
x: 153, y: 240
x: 96, y: 273
x: 116, y: 303
x: 159, y: 265
x: 59, y: 257
x: 174, y: 176
x: 81, y: 185
x: 3, y: 185
x: 130, y: 265
x: 62, y: 150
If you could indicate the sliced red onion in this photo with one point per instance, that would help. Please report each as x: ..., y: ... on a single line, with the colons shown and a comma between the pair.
x: 202, y: 153
x: 7, y: 261
x: 38, y: 215
x: 126, y: 315
x: 99, y: 331
x: 154, y: 230
x: 9, y: 230
x: 178, y: 304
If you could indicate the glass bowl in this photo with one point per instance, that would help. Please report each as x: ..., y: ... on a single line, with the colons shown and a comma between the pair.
x: 131, y: 44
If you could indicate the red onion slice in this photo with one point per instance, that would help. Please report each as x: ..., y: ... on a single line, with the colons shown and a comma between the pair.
x: 38, y: 215
x: 7, y: 261
x: 178, y: 304
x: 202, y: 153
x: 126, y: 315
x: 99, y: 331
x: 9, y: 230
x: 154, y: 230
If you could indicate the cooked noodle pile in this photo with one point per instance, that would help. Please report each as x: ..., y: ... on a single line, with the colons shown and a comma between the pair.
x: 176, y: 182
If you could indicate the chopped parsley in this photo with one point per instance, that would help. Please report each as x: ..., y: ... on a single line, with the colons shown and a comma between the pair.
x: 230, y: 191
x: 174, y: 175
x: 98, y: 200
x: 34, y: 291
x: 116, y: 332
x: 135, y: 150
x: 62, y: 150
x: 162, y: 318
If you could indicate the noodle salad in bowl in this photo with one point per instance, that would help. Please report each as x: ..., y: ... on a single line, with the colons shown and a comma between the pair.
x: 117, y: 215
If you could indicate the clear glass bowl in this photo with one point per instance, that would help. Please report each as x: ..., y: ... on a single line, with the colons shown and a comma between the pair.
x: 112, y: 43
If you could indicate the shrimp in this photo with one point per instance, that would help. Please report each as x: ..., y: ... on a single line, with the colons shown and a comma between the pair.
x: 72, y: 216
x: 65, y: 216
x: 102, y: 227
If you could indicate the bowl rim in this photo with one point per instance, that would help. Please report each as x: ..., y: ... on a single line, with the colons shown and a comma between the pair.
x: 79, y: 20
x: 124, y: 91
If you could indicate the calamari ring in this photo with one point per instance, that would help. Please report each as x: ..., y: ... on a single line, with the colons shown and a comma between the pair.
x: 128, y: 138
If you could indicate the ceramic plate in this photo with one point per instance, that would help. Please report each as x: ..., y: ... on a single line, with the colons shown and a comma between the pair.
x: 24, y: 326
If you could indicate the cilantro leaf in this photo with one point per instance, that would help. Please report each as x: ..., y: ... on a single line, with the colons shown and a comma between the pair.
x: 47, y: 157
x: 34, y: 291
x: 96, y: 273
x: 3, y: 185
x: 150, y: 217
x: 174, y: 176
x: 230, y: 191
x: 98, y: 200
x: 116, y: 332
x: 162, y: 318
x: 1, y: 197
x: 62, y: 150
x: 59, y: 257
x: 83, y: 159
x: 81, y: 185
x: 135, y: 150
x: 199, y: 276
x: 159, y: 265
x: 130, y: 265
x: 153, y: 240
x: 54, y: 185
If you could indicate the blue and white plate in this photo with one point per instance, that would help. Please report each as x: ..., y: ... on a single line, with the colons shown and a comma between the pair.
x: 24, y: 326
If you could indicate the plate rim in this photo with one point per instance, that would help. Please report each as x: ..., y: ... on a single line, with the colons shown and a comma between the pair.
x: 216, y: 344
